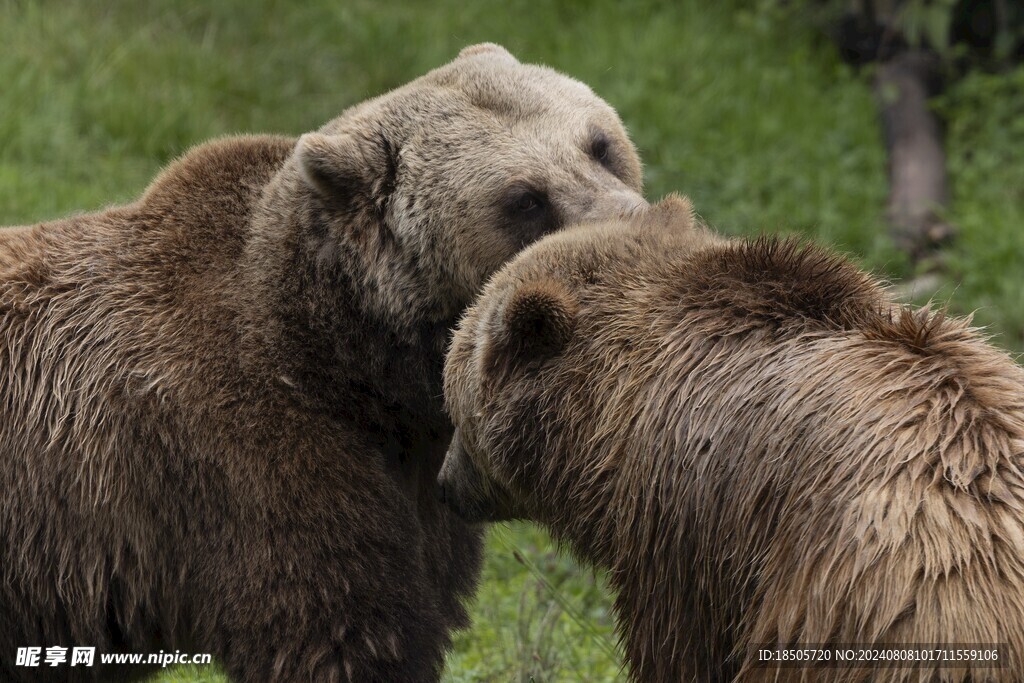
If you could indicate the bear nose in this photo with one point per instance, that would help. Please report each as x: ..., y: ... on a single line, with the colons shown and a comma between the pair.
x: 631, y: 204
x: 619, y: 203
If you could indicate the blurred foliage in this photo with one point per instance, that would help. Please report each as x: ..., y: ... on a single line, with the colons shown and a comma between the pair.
x: 951, y: 27
x: 927, y: 22
x: 985, y: 157
x: 964, y: 33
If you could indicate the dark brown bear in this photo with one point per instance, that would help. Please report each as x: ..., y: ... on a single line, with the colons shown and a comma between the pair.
x: 756, y: 442
x: 221, y: 419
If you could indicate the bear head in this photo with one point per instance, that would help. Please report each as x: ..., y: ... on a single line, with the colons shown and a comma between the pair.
x: 433, y: 186
x: 515, y: 376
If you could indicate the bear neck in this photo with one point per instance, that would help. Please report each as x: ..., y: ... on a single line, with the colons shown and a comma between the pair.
x: 330, y: 317
x: 622, y: 526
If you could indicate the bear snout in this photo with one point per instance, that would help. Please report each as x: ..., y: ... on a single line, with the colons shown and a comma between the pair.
x: 622, y: 204
x: 447, y: 495
x: 446, y: 485
x: 631, y: 204
x: 461, y: 486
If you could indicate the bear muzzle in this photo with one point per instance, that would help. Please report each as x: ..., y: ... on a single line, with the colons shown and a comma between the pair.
x: 465, y: 489
x: 613, y: 204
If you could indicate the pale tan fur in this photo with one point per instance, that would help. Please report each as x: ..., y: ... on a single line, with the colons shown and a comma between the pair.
x: 756, y: 442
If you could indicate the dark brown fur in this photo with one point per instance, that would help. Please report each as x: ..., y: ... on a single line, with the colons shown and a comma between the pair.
x: 757, y: 444
x: 221, y: 423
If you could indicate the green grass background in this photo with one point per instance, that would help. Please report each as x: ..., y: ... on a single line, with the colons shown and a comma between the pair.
x: 743, y: 106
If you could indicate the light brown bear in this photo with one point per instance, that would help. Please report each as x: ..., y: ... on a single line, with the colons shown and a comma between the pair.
x: 757, y: 444
x: 220, y: 406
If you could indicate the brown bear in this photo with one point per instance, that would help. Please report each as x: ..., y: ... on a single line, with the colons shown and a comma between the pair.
x: 222, y: 421
x: 759, y: 446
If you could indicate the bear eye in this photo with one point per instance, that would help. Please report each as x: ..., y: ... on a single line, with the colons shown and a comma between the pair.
x: 599, y: 147
x: 528, y: 203
x: 530, y: 213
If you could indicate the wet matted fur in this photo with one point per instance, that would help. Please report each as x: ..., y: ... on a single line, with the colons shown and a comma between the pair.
x: 756, y: 442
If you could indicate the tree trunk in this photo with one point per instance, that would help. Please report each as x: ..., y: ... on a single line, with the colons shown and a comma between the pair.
x: 918, y: 189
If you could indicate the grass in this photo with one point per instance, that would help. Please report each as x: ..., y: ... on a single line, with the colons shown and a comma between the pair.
x: 747, y: 111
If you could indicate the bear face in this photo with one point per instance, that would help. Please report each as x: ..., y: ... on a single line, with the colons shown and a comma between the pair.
x: 458, y: 171
x: 506, y: 370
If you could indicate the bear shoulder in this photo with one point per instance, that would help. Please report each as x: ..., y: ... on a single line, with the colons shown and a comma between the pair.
x: 220, y: 168
x: 780, y: 281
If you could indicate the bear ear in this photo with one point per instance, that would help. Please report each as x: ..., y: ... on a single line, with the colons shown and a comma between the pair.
x: 674, y: 210
x: 487, y: 48
x: 537, y: 322
x: 343, y: 166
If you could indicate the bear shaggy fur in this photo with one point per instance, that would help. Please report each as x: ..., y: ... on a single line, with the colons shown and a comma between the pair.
x: 758, y: 444
x: 221, y: 419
